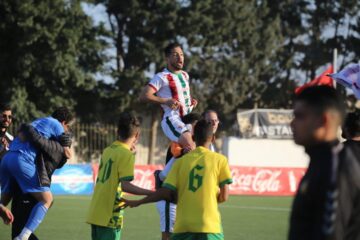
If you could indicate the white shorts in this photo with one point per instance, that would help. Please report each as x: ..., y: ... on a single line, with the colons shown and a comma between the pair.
x: 167, y: 212
x: 173, y: 127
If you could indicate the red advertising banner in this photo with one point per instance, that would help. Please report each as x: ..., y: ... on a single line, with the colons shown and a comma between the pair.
x: 246, y: 180
x: 144, y: 176
x: 265, y: 180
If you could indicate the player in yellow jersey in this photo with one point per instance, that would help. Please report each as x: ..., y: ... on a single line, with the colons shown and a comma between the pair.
x: 115, y: 174
x: 199, y: 181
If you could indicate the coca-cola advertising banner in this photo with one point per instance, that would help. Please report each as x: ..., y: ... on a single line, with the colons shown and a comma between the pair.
x: 265, y: 123
x: 246, y: 180
x: 265, y: 180
x: 144, y: 176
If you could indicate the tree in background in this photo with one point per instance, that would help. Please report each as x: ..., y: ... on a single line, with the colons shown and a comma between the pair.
x: 239, y: 53
x: 140, y: 31
x: 311, y: 30
x: 232, y: 45
x: 49, y: 51
x: 229, y: 45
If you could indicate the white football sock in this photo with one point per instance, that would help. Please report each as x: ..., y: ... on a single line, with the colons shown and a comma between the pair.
x: 25, y: 234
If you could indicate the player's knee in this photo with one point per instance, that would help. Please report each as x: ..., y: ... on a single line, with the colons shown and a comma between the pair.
x: 48, y: 200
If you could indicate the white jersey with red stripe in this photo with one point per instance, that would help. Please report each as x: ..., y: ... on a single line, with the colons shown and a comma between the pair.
x: 175, y: 86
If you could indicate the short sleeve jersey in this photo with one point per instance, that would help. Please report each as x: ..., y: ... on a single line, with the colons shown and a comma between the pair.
x: 117, y: 164
x: 196, y: 177
x: 47, y: 127
x: 175, y: 86
x: 9, y: 138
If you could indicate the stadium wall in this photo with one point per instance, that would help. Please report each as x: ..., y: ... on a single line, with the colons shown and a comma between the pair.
x: 258, y: 166
x: 264, y: 153
x: 271, y: 181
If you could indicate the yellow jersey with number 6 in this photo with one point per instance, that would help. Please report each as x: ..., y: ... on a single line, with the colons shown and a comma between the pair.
x: 196, y: 177
x: 117, y: 164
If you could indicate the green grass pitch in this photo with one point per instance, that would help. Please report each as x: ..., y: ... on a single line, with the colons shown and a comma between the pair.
x: 243, y: 217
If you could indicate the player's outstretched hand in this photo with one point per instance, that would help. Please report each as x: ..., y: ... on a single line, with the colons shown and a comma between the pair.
x: 131, y: 203
x: 6, y: 215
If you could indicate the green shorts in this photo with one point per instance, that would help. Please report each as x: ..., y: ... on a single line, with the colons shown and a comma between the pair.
x: 197, y: 236
x: 105, y: 233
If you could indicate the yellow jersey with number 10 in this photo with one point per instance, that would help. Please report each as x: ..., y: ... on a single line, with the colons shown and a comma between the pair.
x: 117, y: 164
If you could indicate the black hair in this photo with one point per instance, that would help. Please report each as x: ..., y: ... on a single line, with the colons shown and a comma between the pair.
x: 207, y: 111
x: 63, y: 114
x: 5, y: 107
x: 202, y: 132
x: 170, y: 47
x: 323, y: 98
x: 191, y: 118
x: 352, y: 123
x: 128, y: 125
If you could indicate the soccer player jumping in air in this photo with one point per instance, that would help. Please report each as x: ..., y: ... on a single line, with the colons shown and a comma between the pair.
x: 170, y: 88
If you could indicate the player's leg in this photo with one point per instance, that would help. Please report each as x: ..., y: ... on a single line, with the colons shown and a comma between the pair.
x: 26, y: 176
x: 37, y: 214
x: 167, y: 168
x: 186, y: 141
x: 176, y: 131
x: 158, y: 181
x: 197, y: 236
x: 167, y: 214
x: 105, y: 233
x: 21, y: 207
x: 172, y: 217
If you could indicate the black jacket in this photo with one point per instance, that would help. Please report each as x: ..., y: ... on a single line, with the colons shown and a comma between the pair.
x: 327, y: 204
x: 50, y: 155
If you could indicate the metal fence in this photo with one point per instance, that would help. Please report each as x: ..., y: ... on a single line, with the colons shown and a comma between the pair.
x: 91, y: 139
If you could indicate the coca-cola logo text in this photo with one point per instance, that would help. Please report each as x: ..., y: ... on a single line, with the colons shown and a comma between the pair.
x: 265, y: 181
x: 260, y: 181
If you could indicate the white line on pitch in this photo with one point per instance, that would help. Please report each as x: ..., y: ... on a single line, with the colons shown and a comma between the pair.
x: 257, y: 208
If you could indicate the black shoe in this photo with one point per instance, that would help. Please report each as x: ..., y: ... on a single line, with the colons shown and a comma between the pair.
x: 158, y: 181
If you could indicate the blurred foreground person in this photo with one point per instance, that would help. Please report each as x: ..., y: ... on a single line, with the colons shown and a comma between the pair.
x: 327, y: 204
x: 351, y: 132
